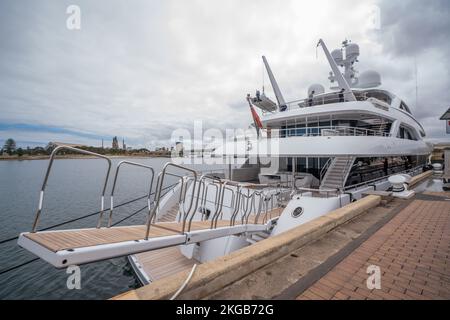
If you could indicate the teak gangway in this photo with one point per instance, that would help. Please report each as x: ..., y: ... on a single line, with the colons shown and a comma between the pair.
x: 62, y: 248
x: 79, y: 246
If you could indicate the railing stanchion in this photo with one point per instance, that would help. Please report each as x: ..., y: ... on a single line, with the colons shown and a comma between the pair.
x: 47, y: 174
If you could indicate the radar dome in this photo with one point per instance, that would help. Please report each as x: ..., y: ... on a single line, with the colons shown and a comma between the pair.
x: 317, y: 88
x: 337, y: 56
x: 369, y: 79
x: 352, y: 52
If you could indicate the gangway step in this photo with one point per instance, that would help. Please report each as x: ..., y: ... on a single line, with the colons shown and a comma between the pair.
x: 78, y: 246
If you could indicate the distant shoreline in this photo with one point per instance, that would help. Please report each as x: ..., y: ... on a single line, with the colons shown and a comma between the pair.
x: 73, y: 156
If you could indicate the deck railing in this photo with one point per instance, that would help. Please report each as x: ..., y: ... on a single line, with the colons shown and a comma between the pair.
x: 47, y: 174
x: 193, y: 193
x: 129, y: 163
x: 328, y: 98
x: 328, y: 131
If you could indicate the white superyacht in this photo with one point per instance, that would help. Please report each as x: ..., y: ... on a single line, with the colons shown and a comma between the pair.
x: 303, y: 159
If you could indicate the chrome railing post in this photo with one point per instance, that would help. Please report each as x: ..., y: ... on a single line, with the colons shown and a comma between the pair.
x: 238, y: 203
x: 220, y: 207
x: 115, y: 181
x: 158, y: 193
x: 198, y: 195
x: 47, y: 174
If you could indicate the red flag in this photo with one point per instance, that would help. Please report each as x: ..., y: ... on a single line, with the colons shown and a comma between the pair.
x: 255, y: 116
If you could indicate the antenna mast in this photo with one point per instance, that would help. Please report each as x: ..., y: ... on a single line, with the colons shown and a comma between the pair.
x: 417, y: 86
x: 343, y: 84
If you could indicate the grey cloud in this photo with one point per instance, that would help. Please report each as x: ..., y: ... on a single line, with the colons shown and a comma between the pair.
x: 411, y: 27
x: 142, y: 69
x: 418, y: 32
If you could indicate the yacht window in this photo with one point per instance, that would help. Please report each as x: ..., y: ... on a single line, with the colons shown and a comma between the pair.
x: 406, y: 133
x: 368, y: 169
x: 380, y: 95
x: 422, y: 133
x: 403, y: 106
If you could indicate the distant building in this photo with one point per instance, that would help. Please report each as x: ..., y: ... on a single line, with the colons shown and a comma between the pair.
x: 124, y: 146
x: 446, y: 117
x: 115, y: 143
x: 179, y: 149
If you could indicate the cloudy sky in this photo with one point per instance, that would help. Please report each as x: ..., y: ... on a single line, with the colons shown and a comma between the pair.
x: 140, y: 69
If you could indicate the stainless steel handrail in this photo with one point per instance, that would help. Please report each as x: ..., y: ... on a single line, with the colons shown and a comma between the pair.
x: 315, y: 101
x: 219, y: 212
x: 327, y: 98
x: 323, y: 171
x: 202, y: 178
x: 244, y: 206
x: 119, y: 165
x: 252, y: 207
x: 237, y: 204
x: 180, y: 198
x: 339, y: 130
x: 267, y: 199
x: 158, y: 193
x: 257, y: 211
x: 205, y: 198
x: 260, y: 205
x: 49, y: 167
x: 347, y: 170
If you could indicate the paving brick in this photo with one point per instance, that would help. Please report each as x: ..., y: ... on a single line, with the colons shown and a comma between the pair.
x: 412, y: 251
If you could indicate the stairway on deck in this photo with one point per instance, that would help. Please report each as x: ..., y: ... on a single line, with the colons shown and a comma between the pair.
x: 170, y: 215
x: 337, y: 172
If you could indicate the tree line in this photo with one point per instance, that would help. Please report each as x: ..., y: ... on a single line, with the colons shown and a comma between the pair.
x: 10, y: 148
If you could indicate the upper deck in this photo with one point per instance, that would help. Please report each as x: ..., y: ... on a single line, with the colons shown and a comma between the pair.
x: 375, y: 109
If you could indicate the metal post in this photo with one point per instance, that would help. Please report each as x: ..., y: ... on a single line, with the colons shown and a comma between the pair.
x: 47, y: 174
x: 114, y: 187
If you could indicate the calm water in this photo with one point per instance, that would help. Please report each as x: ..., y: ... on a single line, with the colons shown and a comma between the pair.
x: 73, y: 190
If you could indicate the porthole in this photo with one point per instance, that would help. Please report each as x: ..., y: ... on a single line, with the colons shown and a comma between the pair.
x: 297, y: 212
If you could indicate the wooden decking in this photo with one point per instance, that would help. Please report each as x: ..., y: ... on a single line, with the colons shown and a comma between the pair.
x: 158, y: 264
x: 71, y: 239
x: 161, y: 263
x: 195, y: 225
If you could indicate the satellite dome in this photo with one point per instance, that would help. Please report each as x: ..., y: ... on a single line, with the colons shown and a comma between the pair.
x: 337, y: 56
x: 352, y: 51
x: 369, y: 79
x: 317, y: 88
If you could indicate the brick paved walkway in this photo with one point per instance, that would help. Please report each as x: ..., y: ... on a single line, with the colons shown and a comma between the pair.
x: 412, y: 251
